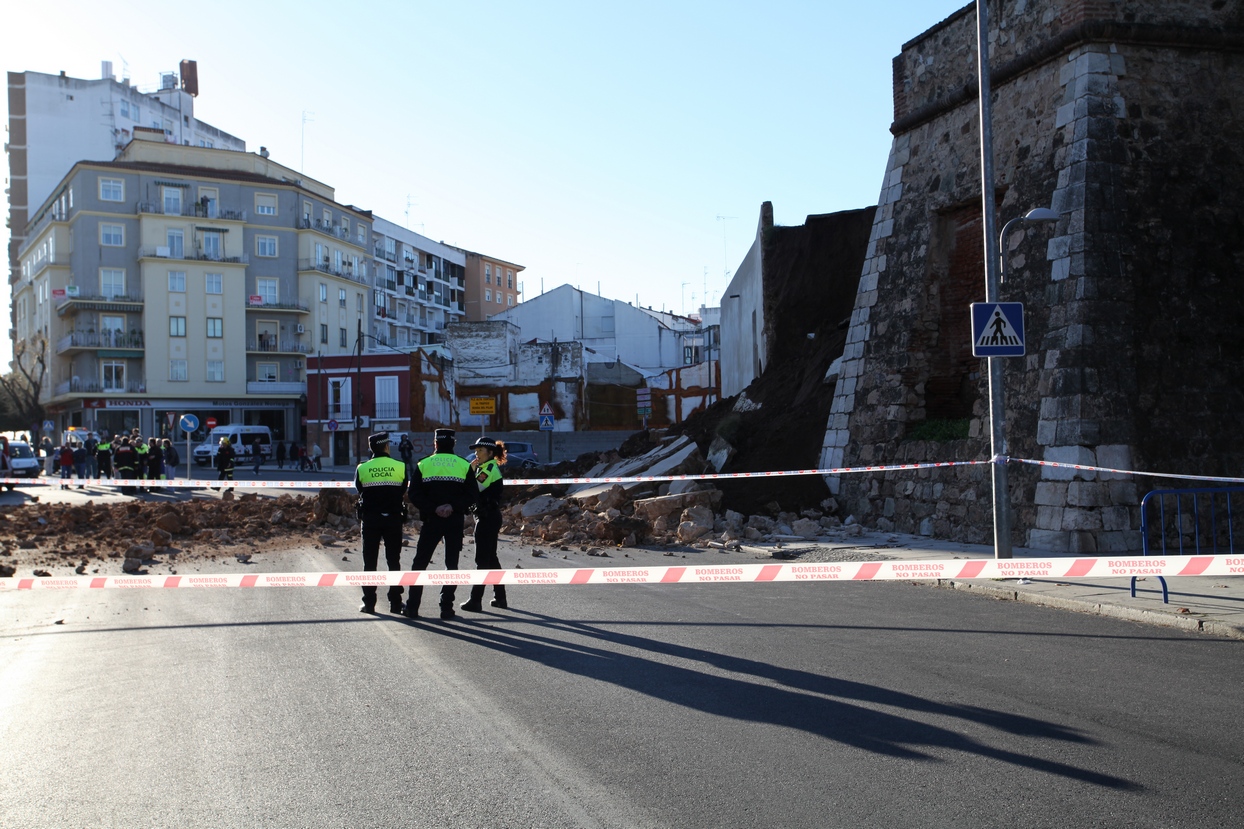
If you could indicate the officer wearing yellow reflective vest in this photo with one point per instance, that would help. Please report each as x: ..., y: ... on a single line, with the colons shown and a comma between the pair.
x: 489, y: 456
x: 381, y: 484
x: 442, y: 487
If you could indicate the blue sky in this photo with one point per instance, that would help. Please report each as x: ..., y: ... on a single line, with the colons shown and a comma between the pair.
x: 593, y: 143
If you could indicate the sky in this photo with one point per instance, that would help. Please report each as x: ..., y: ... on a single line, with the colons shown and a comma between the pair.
x: 624, y: 148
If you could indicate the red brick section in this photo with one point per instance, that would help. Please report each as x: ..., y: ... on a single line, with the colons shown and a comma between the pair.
x: 951, y: 388
x: 1078, y: 11
x: 900, y: 88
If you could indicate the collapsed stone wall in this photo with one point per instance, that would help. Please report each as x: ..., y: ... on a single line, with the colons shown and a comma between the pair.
x: 1133, y: 349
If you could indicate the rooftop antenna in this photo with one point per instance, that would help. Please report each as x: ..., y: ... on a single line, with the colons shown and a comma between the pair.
x: 409, y: 203
x: 302, y: 161
x: 684, y: 296
x: 724, y: 259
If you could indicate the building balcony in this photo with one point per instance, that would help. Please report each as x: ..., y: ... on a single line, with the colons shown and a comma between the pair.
x: 99, y: 302
x: 91, y: 341
x: 340, y: 411
x: 89, y: 386
x: 194, y: 210
x: 277, y: 347
x: 328, y: 229
x: 259, y: 303
x: 60, y: 260
x: 272, y: 387
x: 344, y: 272
x: 164, y: 252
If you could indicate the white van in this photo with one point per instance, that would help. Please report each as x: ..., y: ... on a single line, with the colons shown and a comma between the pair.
x: 243, y: 439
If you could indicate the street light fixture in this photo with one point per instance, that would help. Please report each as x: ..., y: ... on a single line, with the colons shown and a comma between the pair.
x: 1038, y: 215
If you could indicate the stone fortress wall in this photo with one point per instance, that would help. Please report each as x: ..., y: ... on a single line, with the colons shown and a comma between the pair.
x: 1125, y: 117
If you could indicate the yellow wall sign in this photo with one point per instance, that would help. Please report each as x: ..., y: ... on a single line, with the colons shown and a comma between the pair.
x: 483, y: 406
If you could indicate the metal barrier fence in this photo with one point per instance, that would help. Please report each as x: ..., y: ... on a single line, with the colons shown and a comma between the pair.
x: 1203, y: 520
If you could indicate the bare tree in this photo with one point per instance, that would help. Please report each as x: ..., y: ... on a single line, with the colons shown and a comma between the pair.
x: 23, y: 385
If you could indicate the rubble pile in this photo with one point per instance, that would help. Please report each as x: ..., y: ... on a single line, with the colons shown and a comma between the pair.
x: 658, y: 513
x: 57, y: 535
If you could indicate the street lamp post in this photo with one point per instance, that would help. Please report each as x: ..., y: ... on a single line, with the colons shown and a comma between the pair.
x: 1038, y: 215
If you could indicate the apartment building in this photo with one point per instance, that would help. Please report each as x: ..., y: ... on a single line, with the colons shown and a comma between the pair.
x: 418, y: 288
x: 56, y: 121
x: 491, y: 286
x: 177, y: 279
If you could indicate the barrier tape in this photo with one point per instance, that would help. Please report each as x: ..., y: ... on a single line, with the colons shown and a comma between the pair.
x: 953, y: 569
x: 1085, y: 468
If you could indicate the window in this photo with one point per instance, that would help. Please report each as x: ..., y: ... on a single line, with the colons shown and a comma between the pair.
x: 112, y: 235
x: 509, y: 300
x: 177, y: 282
x: 212, y: 283
x: 266, y: 287
x: 498, y: 296
x: 488, y: 295
x: 215, y: 327
x: 177, y: 371
x: 324, y: 333
x: 125, y: 108
x: 341, y: 297
x: 215, y: 371
x: 362, y: 234
x: 176, y: 241
x: 112, y: 329
x: 265, y: 204
x: 212, y: 247
x: 265, y: 246
x: 336, y: 260
x: 360, y: 302
x: 343, y: 337
x: 111, y: 282
x: 323, y: 292
x: 208, y: 201
x: 321, y: 256
x: 387, y: 398
x: 172, y: 201
x: 345, y: 228
x: 177, y: 326
x: 488, y: 274
x: 328, y: 218
x: 111, y: 189
x: 509, y: 279
x: 266, y: 372
x: 112, y: 375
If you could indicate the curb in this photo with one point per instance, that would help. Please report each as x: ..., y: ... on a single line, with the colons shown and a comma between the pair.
x: 1190, y: 623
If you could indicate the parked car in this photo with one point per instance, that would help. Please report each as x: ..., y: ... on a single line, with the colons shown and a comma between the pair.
x: 517, y: 453
x: 22, y: 461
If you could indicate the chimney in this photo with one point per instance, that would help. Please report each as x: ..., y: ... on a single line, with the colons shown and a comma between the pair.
x: 105, y: 70
x: 263, y: 152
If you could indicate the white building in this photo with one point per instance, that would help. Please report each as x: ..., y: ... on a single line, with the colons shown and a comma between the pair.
x: 418, y: 288
x: 609, y: 329
x: 56, y: 121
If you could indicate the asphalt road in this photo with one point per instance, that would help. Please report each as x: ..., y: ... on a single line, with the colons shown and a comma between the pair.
x: 783, y: 705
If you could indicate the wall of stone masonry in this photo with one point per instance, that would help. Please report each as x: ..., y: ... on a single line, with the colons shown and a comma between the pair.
x: 1125, y: 118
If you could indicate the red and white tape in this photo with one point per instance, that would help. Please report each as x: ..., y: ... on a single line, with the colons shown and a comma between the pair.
x: 952, y: 569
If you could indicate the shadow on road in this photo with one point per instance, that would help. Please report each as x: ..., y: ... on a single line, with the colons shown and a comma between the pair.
x: 809, y: 702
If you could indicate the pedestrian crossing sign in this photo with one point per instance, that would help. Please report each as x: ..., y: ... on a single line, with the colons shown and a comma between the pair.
x: 998, y: 329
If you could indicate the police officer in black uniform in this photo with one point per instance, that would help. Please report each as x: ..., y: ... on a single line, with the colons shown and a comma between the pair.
x: 443, y: 488
x: 381, y: 483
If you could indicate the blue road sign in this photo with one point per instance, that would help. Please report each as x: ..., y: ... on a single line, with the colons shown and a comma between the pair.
x: 546, y: 423
x: 332, y: 425
x: 48, y: 425
x: 188, y: 423
x: 998, y: 329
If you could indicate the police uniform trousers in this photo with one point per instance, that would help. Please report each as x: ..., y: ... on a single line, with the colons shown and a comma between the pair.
x: 388, y: 530
x: 487, y: 528
x: 434, y: 529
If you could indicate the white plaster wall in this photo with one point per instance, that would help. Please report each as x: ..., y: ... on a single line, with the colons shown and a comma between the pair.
x: 742, y: 324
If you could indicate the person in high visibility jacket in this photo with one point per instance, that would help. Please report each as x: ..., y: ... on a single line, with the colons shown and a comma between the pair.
x: 489, y: 457
x: 381, y: 484
x: 225, y: 455
x: 140, y: 447
x: 442, y: 487
x: 103, y: 456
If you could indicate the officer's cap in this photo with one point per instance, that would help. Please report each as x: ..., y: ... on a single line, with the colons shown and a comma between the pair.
x: 487, y: 443
x: 377, y: 440
x: 445, y: 434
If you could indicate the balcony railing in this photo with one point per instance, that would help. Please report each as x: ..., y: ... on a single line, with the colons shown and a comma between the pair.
x: 281, y: 347
x: 103, y: 339
x: 101, y: 302
x: 275, y: 387
x: 340, y: 411
x: 345, y: 272
x: 327, y: 228
x: 278, y: 305
x: 80, y: 386
x: 164, y: 252
x: 194, y: 210
x: 387, y: 411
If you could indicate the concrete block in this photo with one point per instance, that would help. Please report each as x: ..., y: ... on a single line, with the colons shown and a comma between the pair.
x: 1066, y: 74
x: 1058, y: 248
x: 1116, y: 518
x: 1051, y: 494
x: 1049, y: 518
x: 1117, y: 542
x: 1047, y: 431
x: 887, y: 228
x: 1068, y: 454
x: 1087, y: 494
x: 868, y: 281
x: 1084, y: 543
x: 1060, y: 269
x: 1123, y: 492
x: 1053, y: 541
x: 1081, y: 520
x: 1064, y: 114
x: 1118, y: 65
x: 1092, y: 62
x: 1115, y: 456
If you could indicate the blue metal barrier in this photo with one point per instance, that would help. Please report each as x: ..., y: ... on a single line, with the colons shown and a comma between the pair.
x: 1190, y: 522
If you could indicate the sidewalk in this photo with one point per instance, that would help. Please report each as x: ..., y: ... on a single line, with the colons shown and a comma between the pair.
x: 1203, y: 604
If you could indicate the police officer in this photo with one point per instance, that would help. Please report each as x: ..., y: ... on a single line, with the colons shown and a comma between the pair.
x: 141, y: 449
x: 103, y: 457
x: 381, y: 484
x: 489, y: 456
x: 443, y: 488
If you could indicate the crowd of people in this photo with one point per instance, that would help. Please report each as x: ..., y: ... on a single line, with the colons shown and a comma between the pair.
x: 125, y: 457
x: 444, y: 488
